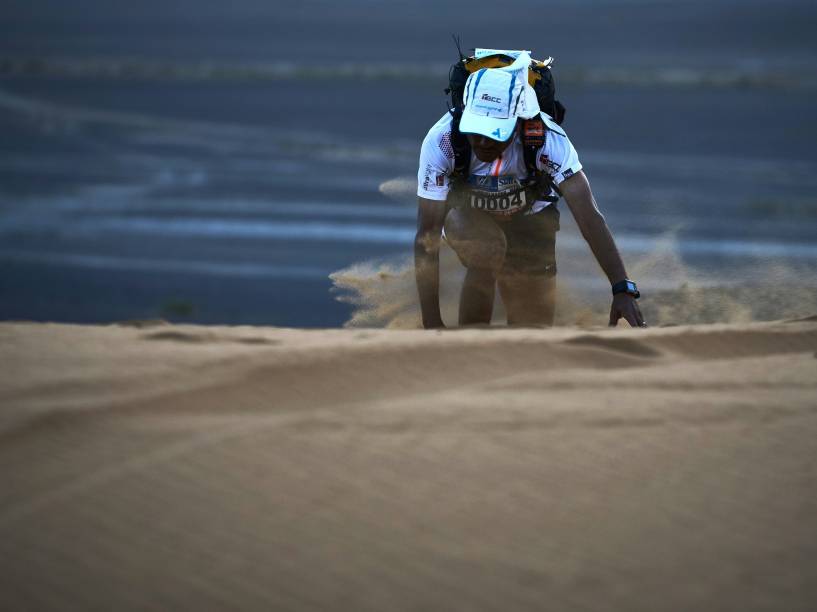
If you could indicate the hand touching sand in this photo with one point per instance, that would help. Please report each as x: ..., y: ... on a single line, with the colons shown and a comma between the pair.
x: 624, y: 306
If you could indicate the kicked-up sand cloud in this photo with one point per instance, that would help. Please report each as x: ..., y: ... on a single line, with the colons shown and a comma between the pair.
x: 383, y: 293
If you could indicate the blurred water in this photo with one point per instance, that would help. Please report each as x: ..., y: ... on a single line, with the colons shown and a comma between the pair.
x: 200, y: 163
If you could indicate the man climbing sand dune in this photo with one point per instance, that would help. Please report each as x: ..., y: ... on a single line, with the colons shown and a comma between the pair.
x: 491, y: 171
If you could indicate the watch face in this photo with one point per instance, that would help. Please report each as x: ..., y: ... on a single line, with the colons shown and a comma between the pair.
x: 631, y: 286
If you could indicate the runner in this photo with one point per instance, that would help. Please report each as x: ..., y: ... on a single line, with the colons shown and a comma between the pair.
x: 502, y: 228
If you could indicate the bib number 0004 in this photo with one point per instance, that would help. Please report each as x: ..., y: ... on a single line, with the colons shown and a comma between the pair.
x: 500, y: 202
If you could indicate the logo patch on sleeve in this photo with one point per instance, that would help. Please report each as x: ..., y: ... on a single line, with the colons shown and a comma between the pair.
x: 427, y: 177
x: 549, y: 163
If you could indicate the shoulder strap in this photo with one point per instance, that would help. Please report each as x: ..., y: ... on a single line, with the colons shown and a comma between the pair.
x: 461, y: 146
x: 534, y: 133
x: 534, y: 136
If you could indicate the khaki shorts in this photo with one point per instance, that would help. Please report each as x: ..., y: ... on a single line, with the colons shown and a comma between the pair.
x: 531, y: 242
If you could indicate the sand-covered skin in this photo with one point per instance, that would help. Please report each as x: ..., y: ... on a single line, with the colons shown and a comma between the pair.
x: 184, y: 467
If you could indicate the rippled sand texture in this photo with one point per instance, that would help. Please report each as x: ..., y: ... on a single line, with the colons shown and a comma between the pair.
x: 150, y: 466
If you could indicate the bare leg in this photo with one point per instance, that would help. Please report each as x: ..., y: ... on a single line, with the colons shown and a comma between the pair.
x: 529, y: 300
x: 480, y: 246
x: 477, y: 297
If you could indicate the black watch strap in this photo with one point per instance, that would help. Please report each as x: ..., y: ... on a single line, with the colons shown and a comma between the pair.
x: 626, y: 286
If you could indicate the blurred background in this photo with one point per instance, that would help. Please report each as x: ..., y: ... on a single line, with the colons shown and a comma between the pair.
x: 215, y: 162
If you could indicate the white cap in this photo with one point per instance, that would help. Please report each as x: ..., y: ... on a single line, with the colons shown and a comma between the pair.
x: 496, y: 97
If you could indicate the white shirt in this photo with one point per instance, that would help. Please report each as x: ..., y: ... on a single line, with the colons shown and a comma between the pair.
x: 557, y: 157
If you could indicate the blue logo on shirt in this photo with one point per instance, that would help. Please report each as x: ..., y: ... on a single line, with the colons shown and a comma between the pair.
x: 493, y: 183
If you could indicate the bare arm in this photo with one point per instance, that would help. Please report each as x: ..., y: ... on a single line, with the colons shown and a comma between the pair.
x: 579, y: 198
x: 430, y: 218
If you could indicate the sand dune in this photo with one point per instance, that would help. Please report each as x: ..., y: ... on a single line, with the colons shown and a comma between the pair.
x: 182, y: 467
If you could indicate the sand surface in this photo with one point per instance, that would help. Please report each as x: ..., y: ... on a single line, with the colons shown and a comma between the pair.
x: 184, y: 467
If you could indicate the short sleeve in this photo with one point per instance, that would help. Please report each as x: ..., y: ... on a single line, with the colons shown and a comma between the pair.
x: 558, y: 157
x: 436, y: 164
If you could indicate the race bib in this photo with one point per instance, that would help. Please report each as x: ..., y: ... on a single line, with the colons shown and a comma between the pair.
x: 506, y: 203
x: 501, y: 195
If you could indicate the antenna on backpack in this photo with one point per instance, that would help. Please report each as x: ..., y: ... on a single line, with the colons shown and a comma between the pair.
x: 458, y: 42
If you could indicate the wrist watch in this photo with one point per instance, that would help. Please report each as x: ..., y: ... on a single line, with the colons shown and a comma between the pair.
x: 626, y: 286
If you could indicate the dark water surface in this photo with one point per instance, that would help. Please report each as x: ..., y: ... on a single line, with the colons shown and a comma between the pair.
x: 230, y: 199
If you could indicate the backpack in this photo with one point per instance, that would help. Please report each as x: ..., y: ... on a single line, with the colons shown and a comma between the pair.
x: 534, y: 130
